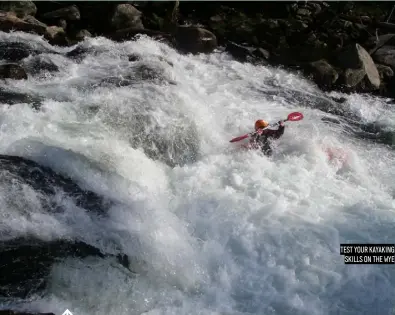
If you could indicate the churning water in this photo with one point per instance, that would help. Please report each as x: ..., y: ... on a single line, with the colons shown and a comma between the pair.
x: 211, y: 229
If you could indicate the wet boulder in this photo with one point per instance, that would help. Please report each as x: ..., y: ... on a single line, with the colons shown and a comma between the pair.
x: 22, y: 171
x: 194, y: 40
x: 10, y: 22
x: 14, y: 51
x: 385, y: 72
x: 20, y: 8
x: 82, y: 34
x: 11, y: 98
x: 358, y: 63
x: 126, y: 16
x: 26, y: 263
x: 322, y: 73
x: 32, y: 20
x: 56, y: 36
x: 386, y: 56
x: 38, y: 64
x: 12, y: 71
x: 70, y: 13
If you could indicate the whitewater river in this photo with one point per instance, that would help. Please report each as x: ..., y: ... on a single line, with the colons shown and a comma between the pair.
x: 211, y: 229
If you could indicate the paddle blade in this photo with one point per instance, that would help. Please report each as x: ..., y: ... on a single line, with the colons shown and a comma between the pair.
x: 239, y: 138
x: 295, y: 116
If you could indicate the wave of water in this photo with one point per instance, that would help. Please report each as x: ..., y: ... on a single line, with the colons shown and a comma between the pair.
x: 221, y: 230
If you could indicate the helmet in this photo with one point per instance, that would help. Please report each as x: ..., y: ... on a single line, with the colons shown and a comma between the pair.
x: 261, y: 124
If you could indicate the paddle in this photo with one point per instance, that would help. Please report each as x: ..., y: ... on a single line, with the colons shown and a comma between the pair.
x: 295, y: 116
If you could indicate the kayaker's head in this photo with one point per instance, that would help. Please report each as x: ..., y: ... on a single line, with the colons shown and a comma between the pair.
x: 261, y: 124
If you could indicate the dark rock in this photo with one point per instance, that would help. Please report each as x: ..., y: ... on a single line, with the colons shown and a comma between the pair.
x: 10, y: 22
x: 315, y: 7
x: 32, y: 20
x: 62, y: 23
x: 12, y: 71
x: 78, y: 53
x: 56, y: 36
x: 26, y: 263
x: 261, y: 53
x: 239, y: 52
x: 356, y: 57
x: 38, y: 64
x: 12, y: 98
x: 70, y: 13
x: 133, y: 58
x: 373, y: 43
x: 20, y: 8
x: 14, y: 51
x: 126, y: 16
x: 323, y: 73
x: 195, y: 40
x: 385, y: 71
x: 130, y: 33
x: 303, y: 12
x: 45, y: 180
x: 352, y: 77
x: 82, y: 34
x: 386, y: 56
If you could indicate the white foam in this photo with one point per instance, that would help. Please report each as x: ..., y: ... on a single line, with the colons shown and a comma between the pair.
x: 234, y: 232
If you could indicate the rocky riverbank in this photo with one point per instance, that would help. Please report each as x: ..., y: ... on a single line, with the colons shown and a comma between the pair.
x: 342, y: 46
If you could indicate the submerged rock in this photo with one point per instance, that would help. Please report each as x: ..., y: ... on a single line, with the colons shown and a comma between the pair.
x: 26, y: 263
x: 20, y: 171
x: 195, y: 39
x: 70, y: 13
x: 39, y: 64
x: 12, y: 71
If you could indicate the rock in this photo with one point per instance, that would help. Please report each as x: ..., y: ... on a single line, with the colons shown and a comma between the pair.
x: 82, y: 34
x: 133, y: 58
x: 374, y: 43
x: 15, y: 51
x: 239, y: 52
x: 12, y: 71
x: 386, y: 56
x: 352, y: 77
x: 356, y: 57
x: 195, y: 39
x: 56, y: 36
x: 32, y: 20
x: 62, y: 23
x: 26, y: 263
x: 315, y: 7
x: 9, y: 21
x: 385, y: 71
x: 20, y: 8
x: 323, y: 73
x: 39, y: 63
x: 303, y: 12
x: 10, y: 97
x: 70, y: 13
x: 126, y: 16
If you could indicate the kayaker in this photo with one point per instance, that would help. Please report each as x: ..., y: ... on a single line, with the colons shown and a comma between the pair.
x: 262, y: 138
